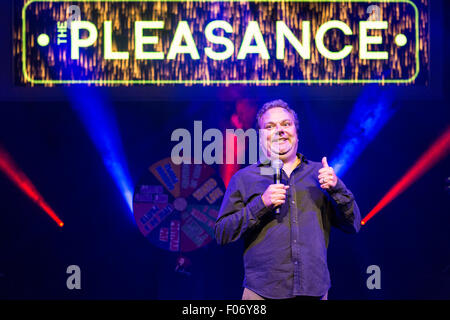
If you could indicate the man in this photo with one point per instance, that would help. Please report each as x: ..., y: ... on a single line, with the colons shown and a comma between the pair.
x: 285, y: 254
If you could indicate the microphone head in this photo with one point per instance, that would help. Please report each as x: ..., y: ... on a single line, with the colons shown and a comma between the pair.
x: 277, y: 164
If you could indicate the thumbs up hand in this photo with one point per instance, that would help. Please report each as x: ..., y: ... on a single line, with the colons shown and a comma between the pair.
x: 327, y: 177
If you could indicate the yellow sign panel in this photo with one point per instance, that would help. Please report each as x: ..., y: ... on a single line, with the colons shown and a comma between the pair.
x: 220, y: 42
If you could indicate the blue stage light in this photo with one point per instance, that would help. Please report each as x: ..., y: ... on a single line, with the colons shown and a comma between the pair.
x: 100, y: 122
x: 371, y: 112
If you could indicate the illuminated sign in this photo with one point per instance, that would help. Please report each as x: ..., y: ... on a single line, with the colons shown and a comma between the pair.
x: 131, y: 42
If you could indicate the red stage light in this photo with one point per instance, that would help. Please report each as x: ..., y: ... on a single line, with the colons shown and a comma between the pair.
x: 227, y: 170
x: 439, y: 149
x: 19, y: 178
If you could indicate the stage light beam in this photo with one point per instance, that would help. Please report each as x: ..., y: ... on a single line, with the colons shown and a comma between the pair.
x: 438, y: 151
x: 18, y: 177
x: 100, y: 123
x: 371, y: 112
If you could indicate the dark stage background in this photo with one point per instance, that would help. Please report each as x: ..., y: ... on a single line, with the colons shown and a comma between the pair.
x: 409, y: 240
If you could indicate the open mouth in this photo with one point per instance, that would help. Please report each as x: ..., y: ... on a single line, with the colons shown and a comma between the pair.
x: 280, y: 140
x: 280, y: 145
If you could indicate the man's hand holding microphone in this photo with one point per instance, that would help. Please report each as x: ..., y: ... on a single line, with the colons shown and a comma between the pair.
x: 275, y: 195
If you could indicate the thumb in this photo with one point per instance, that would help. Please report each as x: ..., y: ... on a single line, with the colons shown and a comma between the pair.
x: 324, y: 162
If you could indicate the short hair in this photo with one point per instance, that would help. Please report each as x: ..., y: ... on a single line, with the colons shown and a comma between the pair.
x: 276, y: 104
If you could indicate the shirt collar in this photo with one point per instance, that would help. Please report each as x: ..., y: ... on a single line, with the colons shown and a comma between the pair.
x: 266, y: 161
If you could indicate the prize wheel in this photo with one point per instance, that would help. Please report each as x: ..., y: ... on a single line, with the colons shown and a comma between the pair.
x: 176, y: 206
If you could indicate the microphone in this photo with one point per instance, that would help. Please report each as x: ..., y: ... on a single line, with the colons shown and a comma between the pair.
x: 277, y: 165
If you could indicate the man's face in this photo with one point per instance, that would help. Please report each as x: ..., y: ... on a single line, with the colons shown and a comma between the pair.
x: 279, y: 133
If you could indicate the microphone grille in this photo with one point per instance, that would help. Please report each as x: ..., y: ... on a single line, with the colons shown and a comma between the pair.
x: 277, y: 164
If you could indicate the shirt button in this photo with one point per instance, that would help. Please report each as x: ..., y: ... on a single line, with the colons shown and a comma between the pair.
x: 295, y: 241
x: 292, y: 201
x: 295, y: 262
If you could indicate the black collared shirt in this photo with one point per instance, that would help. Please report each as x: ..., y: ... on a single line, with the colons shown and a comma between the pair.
x: 285, y: 255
